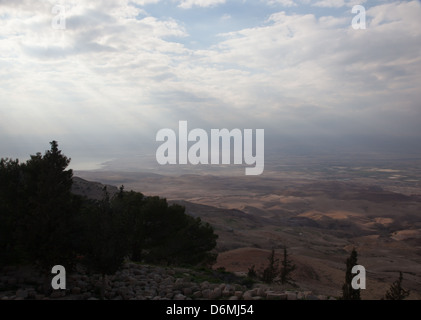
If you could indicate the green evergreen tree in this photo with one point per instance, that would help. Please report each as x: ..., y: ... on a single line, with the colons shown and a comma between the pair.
x: 47, y: 229
x: 396, y: 292
x: 252, y: 273
x: 287, y: 268
x: 11, y: 210
x: 106, y: 240
x: 272, y: 269
x: 43, y: 223
x: 192, y: 242
x: 171, y: 236
x: 130, y: 205
x: 348, y: 293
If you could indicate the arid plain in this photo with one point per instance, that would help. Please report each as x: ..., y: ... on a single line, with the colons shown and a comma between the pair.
x: 318, y: 209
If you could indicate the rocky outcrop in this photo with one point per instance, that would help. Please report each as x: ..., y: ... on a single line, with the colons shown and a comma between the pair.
x: 137, y: 282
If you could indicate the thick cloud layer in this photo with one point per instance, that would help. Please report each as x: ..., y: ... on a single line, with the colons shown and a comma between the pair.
x: 122, y: 70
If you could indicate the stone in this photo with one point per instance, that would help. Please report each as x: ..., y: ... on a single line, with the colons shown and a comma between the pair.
x: 216, y: 294
x: 157, y: 278
x: 179, y: 297
x: 247, y: 296
x: 138, y: 272
x: 131, y: 281
x: 291, y: 296
x: 197, y: 295
x: 187, y: 291
x: 195, y: 288
x: 276, y: 296
x: 213, y: 286
x: 226, y: 293
x: 127, y: 294
x: 250, y: 293
x: 159, y: 270
x: 57, y: 294
x: 233, y: 298
x: 206, y: 293
x: 261, y: 291
x: 179, y: 283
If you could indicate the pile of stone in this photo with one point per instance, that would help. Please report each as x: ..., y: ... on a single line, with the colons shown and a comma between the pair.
x: 137, y: 282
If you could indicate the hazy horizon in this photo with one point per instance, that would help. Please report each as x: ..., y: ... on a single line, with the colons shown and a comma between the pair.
x: 121, y: 71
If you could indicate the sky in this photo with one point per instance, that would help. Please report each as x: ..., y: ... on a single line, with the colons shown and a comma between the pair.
x: 120, y: 71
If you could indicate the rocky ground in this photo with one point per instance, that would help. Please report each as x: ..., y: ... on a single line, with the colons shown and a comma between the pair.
x: 145, y: 282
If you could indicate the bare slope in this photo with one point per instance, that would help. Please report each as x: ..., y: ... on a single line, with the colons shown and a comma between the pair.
x: 319, y: 222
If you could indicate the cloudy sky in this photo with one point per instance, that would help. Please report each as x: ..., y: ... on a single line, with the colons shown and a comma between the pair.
x: 122, y: 70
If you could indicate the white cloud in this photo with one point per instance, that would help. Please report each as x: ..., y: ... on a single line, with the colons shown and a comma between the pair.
x: 330, y: 3
x: 285, y: 3
x: 145, y: 2
x: 300, y: 60
x: 117, y: 73
x: 187, y: 4
x: 338, y: 3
